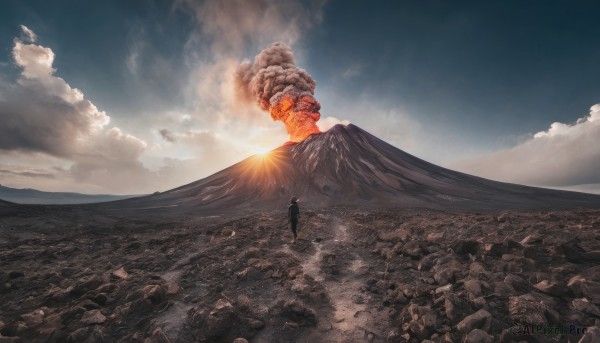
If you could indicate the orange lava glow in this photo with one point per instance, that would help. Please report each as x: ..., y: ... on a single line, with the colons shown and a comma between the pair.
x: 299, y: 113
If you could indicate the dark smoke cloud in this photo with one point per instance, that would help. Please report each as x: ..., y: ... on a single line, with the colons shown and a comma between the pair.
x: 277, y: 85
x: 273, y: 72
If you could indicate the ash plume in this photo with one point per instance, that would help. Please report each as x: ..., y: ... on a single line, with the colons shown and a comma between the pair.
x: 277, y: 85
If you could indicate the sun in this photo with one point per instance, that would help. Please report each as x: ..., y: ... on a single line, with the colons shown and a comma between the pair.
x: 261, y: 151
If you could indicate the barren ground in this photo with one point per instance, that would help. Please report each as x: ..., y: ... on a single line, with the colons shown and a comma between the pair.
x: 354, y: 276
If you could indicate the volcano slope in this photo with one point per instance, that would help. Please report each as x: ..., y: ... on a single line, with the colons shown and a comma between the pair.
x: 410, y: 252
x: 348, y: 166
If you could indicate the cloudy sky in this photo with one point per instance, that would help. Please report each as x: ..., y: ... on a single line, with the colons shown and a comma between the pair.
x: 131, y: 97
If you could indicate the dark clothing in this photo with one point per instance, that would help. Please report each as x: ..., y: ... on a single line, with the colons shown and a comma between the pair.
x: 294, y: 226
x: 293, y: 212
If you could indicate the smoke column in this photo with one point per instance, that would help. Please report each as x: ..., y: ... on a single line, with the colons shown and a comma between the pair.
x: 278, y: 86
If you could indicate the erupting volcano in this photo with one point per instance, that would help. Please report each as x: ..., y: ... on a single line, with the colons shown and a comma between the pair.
x: 275, y: 82
x: 343, y: 166
x: 348, y: 166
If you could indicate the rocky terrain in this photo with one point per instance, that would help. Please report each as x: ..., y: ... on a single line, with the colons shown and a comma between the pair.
x: 354, y: 276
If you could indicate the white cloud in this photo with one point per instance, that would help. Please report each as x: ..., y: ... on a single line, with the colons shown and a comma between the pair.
x: 28, y: 34
x: 326, y: 123
x: 42, y: 114
x: 351, y: 71
x: 565, y: 155
x: 35, y: 60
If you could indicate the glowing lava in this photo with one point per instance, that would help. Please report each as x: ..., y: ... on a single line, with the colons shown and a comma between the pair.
x: 299, y: 113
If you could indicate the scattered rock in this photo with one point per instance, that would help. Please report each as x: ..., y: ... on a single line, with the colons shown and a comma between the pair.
x: 580, y: 287
x: 526, y: 309
x: 220, y: 319
x: 99, y: 298
x: 551, y: 288
x: 532, y: 239
x: 511, y: 245
x: 481, y: 319
x: 456, y: 308
x: 155, y: 293
x: 34, y: 318
x: 173, y: 288
x: 473, y: 288
x: 93, y: 317
x: 493, y: 249
x: 158, y: 336
x: 466, y: 247
x: 121, y: 273
x: 412, y: 249
x: 435, y: 236
x: 299, y: 312
x: 584, y: 306
x: 504, y: 290
x: 478, y: 336
x: 426, y: 263
x: 592, y: 335
x: 78, y: 336
x: 444, y: 276
x: 444, y: 289
x: 516, y: 283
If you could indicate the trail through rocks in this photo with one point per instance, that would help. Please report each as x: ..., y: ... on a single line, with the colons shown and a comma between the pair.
x: 353, y: 276
x: 173, y: 317
x: 341, y: 268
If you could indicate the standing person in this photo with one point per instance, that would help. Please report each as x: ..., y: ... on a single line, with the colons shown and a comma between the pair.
x: 293, y: 212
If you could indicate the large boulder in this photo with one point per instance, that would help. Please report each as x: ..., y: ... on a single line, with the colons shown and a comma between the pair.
x: 456, y: 308
x: 220, y: 319
x: 155, y: 293
x: 528, y: 309
x: 299, y: 312
x: 579, y: 286
x: 478, y: 336
x: 93, y: 317
x: 592, y: 335
x: 465, y: 247
x: 481, y: 319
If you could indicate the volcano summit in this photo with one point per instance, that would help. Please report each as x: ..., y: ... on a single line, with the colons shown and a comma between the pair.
x: 348, y: 166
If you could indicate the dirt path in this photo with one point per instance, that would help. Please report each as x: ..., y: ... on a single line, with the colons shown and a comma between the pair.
x: 341, y: 269
x: 173, y: 318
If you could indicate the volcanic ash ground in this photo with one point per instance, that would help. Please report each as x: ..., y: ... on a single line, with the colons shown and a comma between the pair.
x: 380, y: 276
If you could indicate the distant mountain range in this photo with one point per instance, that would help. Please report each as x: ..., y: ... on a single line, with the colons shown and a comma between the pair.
x: 33, y: 196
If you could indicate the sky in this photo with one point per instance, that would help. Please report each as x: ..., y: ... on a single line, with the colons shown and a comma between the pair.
x: 132, y: 97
